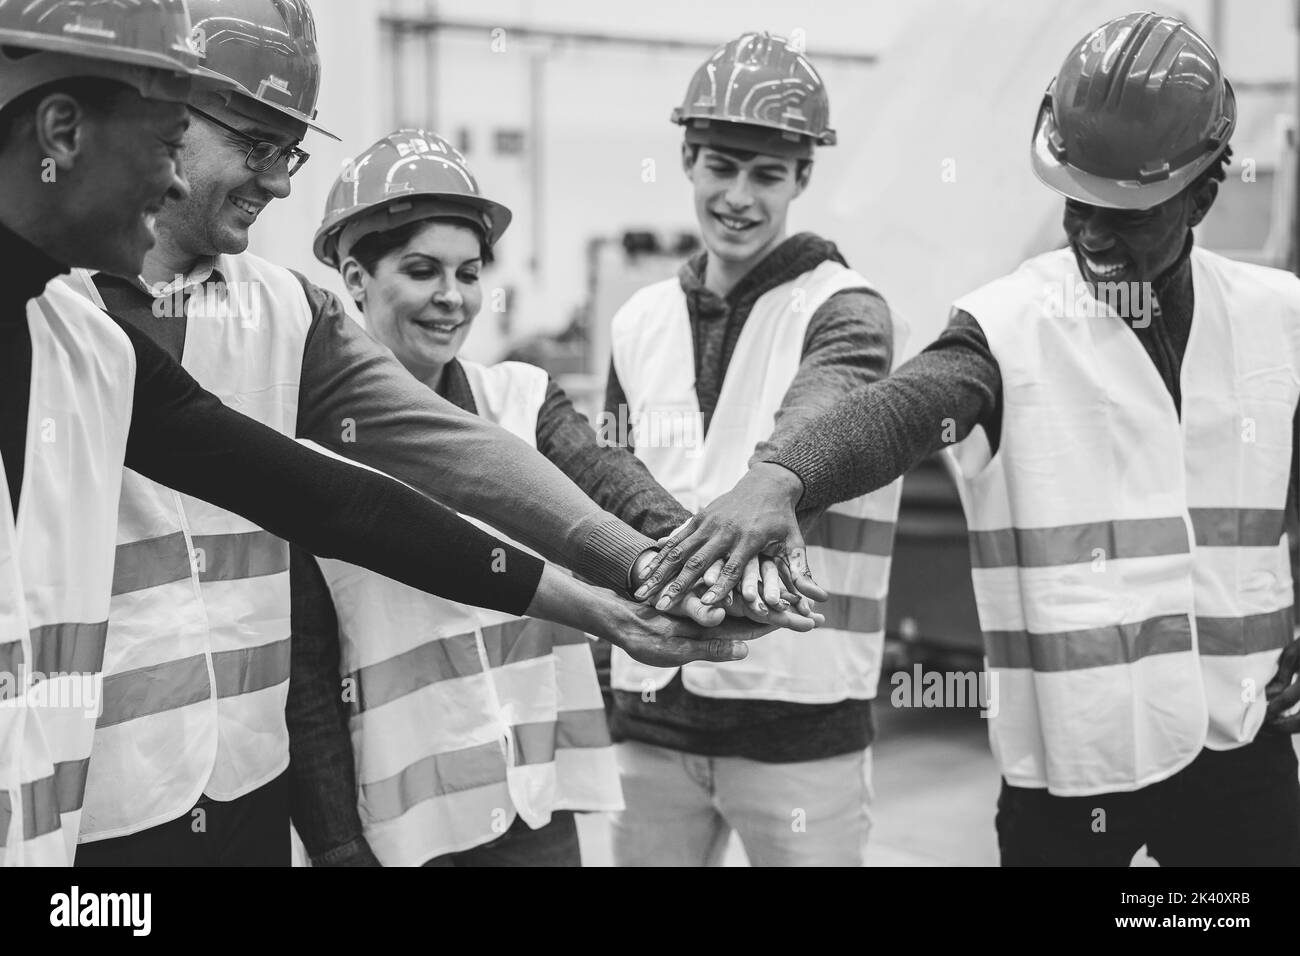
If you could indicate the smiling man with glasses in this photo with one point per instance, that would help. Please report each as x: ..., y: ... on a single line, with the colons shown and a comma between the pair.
x: 261, y: 155
x: 198, y: 591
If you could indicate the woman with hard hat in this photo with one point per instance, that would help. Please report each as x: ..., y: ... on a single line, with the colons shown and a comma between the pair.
x: 474, y: 734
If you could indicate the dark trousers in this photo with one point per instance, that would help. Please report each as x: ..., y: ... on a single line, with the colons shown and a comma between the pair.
x: 1226, y: 808
x: 555, y: 844
x: 252, y: 830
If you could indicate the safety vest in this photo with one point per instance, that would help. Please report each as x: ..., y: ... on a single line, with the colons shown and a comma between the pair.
x: 56, y: 571
x: 197, y: 663
x: 463, y: 718
x: 850, y: 550
x: 1130, y: 567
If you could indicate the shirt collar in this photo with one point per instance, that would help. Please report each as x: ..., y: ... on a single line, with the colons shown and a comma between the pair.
x: 205, y: 270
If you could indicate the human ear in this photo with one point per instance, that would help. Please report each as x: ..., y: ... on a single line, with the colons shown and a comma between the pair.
x: 355, y: 278
x: 60, y: 129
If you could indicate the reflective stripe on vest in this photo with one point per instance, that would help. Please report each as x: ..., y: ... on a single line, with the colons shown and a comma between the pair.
x: 441, y: 774
x: 216, y: 557
x: 457, y: 656
x: 196, y: 663
x: 1130, y: 567
x: 849, y: 549
x: 56, y: 649
x: 462, y: 718
x: 56, y: 577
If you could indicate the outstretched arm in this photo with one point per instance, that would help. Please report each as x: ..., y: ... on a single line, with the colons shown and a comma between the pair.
x: 872, y: 436
x: 357, y: 400
x: 183, y: 437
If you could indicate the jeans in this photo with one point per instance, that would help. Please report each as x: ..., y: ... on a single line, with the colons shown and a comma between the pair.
x: 252, y: 830
x: 555, y: 844
x: 1226, y: 808
x: 682, y: 808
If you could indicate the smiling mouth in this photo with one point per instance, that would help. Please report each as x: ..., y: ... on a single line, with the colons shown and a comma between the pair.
x: 734, y: 223
x: 245, y: 206
x: 1105, y: 270
x: 443, y: 328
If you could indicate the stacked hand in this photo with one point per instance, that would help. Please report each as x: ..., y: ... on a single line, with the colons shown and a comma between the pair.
x: 748, y: 539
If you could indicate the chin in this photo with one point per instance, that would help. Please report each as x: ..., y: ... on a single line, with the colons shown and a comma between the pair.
x: 121, y: 260
x: 232, y: 243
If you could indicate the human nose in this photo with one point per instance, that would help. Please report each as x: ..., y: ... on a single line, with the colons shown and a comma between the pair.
x: 1096, y: 234
x: 739, y: 195
x: 276, y: 179
x: 447, y: 296
x: 179, y: 187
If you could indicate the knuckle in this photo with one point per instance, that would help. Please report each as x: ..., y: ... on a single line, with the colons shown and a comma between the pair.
x: 695, y: 562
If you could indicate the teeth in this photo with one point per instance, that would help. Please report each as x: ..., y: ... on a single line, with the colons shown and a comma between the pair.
x: 247, y: 207
x: 1104, y: 270
x: 733, y: 223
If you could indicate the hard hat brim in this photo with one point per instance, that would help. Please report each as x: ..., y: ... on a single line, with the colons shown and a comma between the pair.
x: 1085, y: 187
x: 325, y: 243
x: 210, y: 79
x: 125, y: 57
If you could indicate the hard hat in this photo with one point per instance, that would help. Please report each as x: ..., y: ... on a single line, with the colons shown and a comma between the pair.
x: 407, y: 176
x: 764, y: 85
x: 144, y: 43
x: 1139, y: 109
x: 268, y: 47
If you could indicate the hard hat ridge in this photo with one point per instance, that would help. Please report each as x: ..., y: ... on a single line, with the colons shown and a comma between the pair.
x: 1139, y: 109
x: 766, y: 85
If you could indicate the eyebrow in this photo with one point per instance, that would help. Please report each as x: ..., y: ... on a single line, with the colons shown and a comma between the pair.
x: 425, y: 255
x: 761, y: 167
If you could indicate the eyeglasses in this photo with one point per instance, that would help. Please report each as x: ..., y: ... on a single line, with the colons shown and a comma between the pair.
x: 261, y: 155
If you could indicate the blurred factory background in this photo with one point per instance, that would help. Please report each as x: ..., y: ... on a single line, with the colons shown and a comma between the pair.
x: 562, y: 108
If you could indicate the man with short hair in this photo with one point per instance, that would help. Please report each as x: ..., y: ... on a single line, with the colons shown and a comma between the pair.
x: 755, y: 335
x: 92, y: 108
x: 195, y: 586
x: 1125, y: 462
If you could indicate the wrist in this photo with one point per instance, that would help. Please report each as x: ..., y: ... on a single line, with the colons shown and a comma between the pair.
x: 610, y: 551
x: 779, y: 480
x: 605, y: 616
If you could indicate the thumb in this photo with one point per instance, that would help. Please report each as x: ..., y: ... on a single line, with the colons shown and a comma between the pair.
x: 720, y: 650
x: 801, y: 574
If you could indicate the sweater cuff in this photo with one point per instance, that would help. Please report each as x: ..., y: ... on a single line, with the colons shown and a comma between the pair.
x: 810, y: 467
x: 356, y: 852
x: 608, y: 553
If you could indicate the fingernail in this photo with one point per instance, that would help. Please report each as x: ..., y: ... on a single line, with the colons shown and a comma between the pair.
x: 783, y: 604
x: 662, y: 604
x: 709, y: 597
x: 642, y: 591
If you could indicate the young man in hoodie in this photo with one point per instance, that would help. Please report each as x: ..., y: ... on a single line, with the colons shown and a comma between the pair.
x: 757, y: 334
